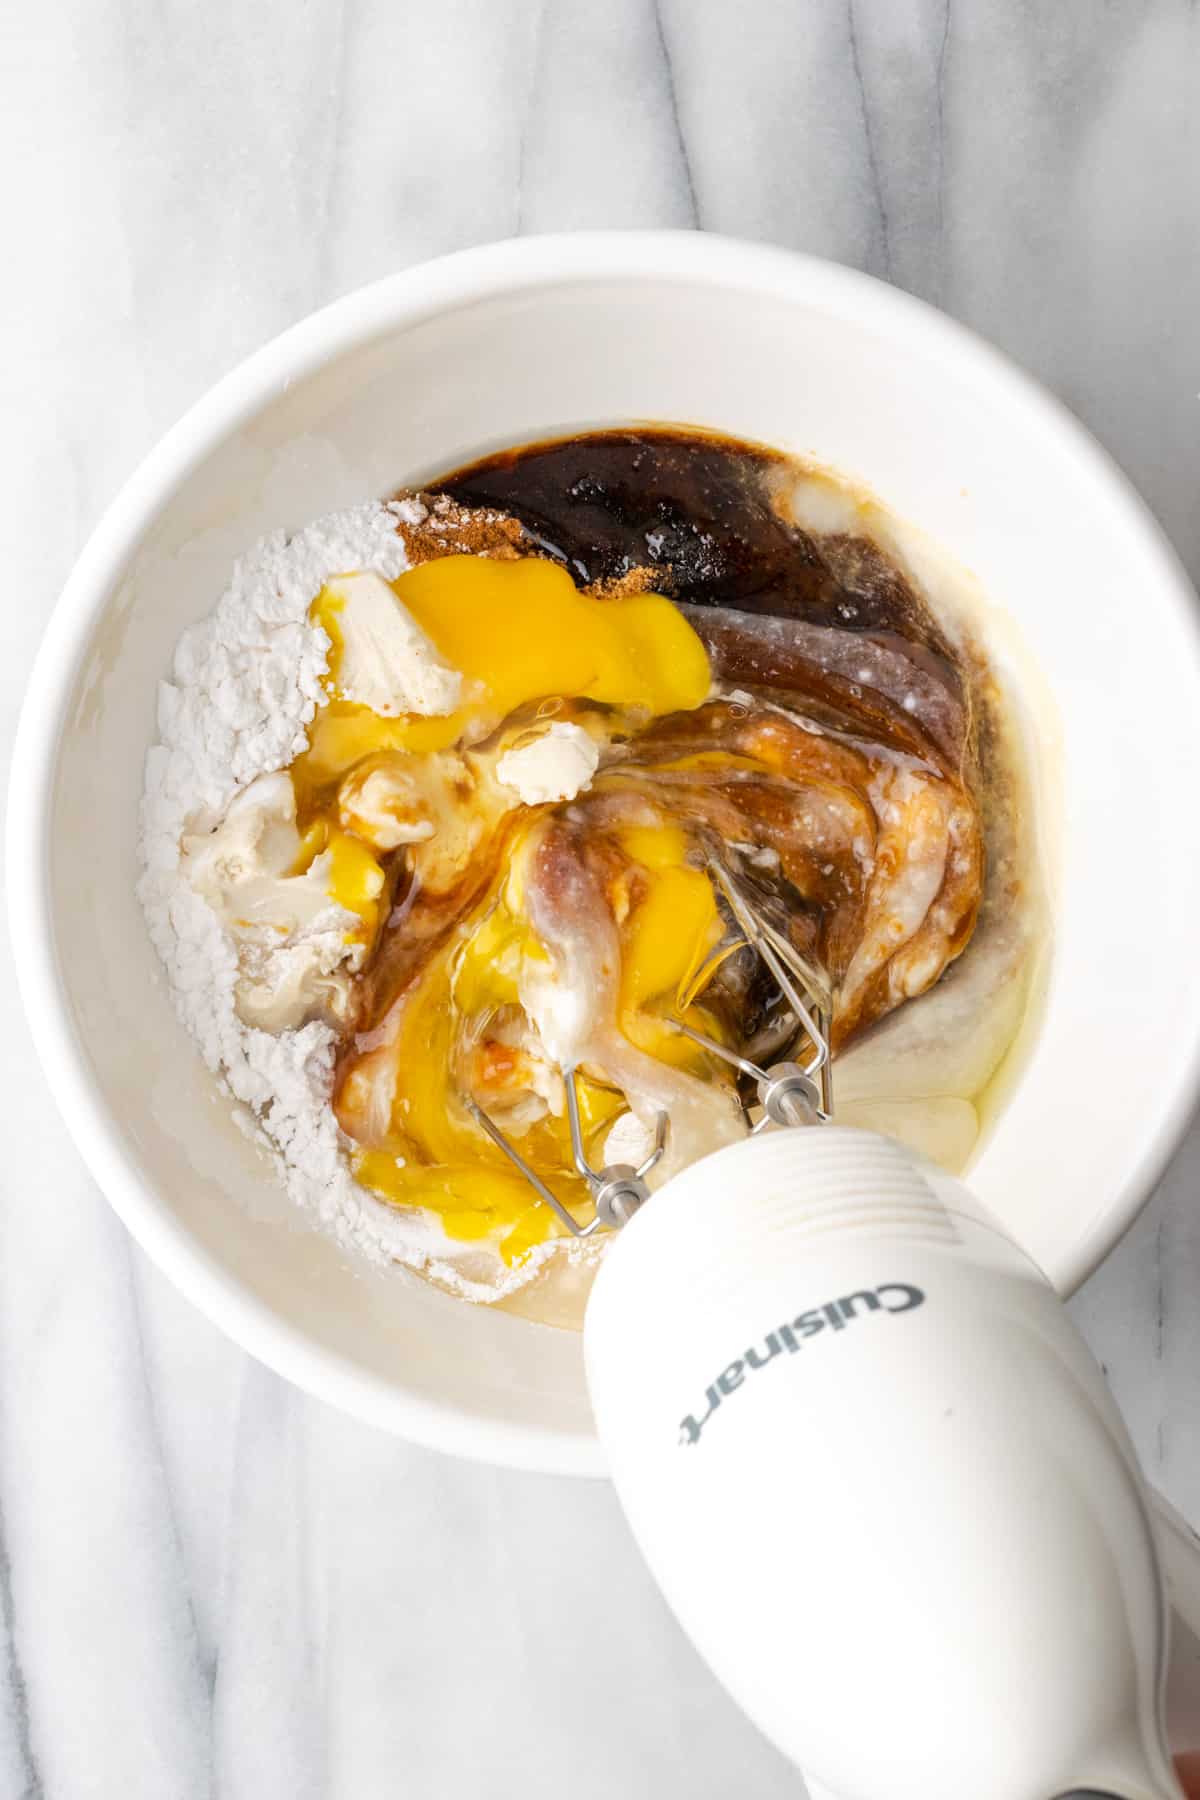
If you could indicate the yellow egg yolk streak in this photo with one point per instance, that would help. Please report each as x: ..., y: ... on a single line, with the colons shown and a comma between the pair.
x: 520, y: 633
x: 436, y: 1157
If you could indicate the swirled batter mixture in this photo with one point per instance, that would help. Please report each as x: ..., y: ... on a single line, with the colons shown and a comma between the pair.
x: 575, y: 679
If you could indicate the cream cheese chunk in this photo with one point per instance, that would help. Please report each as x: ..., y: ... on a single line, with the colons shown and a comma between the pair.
x: 384, y: 659
x: 243, y: 868
x: 295, y: 944
x: 556, y: 765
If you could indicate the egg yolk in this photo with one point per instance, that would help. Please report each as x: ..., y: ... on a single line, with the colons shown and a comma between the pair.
x: 519, y: 632
x: 437, y: 1157
x: 666, y: 941
x: 441, y: 1161
x: 356, y: 880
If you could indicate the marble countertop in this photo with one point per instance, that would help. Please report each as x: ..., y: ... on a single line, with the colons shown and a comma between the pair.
x: 210, y: 1585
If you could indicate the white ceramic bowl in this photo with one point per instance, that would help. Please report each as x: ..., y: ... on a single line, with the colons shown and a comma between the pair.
x: 524, y: 340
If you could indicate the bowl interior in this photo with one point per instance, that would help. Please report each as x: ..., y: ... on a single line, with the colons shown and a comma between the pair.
x: 816, y: 361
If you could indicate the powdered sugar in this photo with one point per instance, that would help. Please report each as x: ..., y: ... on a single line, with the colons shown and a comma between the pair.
x: 246, y: 683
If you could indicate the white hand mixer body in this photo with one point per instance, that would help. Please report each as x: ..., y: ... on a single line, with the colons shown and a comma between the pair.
x: 880, y: 1478
x: 867, y: 1456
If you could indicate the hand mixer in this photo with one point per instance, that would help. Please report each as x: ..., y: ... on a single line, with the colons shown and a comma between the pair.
x: 869, y: 1459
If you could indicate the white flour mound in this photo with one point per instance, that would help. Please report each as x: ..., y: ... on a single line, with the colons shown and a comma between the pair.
x: 245, y: 686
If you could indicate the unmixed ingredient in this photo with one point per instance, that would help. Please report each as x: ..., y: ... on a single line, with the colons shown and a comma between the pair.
x: 437, y: 794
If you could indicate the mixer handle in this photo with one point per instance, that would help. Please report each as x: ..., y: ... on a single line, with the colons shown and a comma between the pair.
x: 880, y: 1478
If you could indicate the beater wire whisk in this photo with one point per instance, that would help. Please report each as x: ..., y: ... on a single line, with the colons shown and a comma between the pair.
x: 790, y: 1093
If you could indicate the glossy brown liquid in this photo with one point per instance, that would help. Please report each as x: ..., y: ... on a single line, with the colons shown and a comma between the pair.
x: 701, y: 518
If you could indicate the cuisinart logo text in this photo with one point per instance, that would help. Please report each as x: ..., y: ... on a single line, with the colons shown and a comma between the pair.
x: 892, y: 1297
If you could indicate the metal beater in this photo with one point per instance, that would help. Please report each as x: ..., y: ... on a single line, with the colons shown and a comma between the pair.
x: 788, y: 1092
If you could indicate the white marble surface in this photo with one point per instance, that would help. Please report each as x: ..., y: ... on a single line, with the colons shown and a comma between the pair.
x: 209, y: 1584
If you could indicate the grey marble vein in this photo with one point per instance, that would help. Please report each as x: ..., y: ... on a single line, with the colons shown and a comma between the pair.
x: 602, y: 139
x: 18, y: 1771
x: 208, y: 1584
x: 881, y: 258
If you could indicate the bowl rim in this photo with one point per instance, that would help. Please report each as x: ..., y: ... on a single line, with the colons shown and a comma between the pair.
x: 399, y: 301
